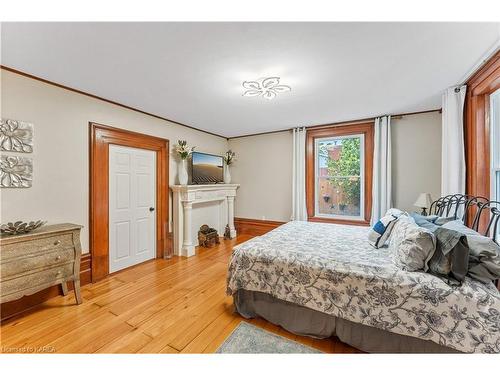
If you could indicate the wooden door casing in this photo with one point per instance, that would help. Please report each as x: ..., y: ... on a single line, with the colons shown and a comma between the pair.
x: 100, y: 137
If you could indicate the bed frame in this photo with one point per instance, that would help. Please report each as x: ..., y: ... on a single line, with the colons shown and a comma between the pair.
x: 470, y: 210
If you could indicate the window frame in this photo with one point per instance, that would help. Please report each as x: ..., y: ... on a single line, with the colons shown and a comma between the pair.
x: 484, y: 82
x: 366, y: 129
x: 495, y: 145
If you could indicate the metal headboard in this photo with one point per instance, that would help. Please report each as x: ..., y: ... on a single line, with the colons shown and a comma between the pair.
x: 462, y: 206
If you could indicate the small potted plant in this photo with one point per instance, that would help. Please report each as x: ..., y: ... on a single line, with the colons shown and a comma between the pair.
x: 228, y: 160
x: 183, y: 151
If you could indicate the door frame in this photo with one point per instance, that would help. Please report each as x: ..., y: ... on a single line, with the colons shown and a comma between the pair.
x: 100, y: 137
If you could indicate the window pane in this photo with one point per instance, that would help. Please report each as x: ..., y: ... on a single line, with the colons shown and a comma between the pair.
x: 339, y: 174
x: 339, y: 157
x: 339, y: 196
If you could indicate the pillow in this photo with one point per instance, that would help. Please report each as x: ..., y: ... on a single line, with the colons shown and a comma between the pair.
x: 394, y: 212
x: 431, y: 218
x: 423, y: 222
x: 381, y: 231
x: 431, y: 222
x: 411, y: 246
x: 418, y: 217
x: 441, y: 220
x: 435, y: 219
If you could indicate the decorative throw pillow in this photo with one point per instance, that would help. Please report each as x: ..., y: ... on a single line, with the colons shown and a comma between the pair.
x: 381, y: 231
x: 411, y: 246
x: 394, y: 212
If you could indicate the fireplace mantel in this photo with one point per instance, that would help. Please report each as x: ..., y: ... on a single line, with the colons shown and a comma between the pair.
x: 215, y: 203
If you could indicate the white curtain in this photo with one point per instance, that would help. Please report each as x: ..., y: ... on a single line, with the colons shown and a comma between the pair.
x: 299, y: 210
x: 382, y: 176
x: 452, y: 142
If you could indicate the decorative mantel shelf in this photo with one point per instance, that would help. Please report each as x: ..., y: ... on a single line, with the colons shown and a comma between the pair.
x: 195, y: 205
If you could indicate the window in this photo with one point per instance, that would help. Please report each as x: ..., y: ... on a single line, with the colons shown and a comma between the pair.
x: 338, y: 178
x: 495, y: 144
x: 339, y: 172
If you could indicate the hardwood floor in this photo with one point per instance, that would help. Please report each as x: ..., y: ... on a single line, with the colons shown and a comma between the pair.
x: 162, y: 306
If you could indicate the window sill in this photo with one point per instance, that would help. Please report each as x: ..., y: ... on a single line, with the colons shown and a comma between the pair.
x: 316, y: 219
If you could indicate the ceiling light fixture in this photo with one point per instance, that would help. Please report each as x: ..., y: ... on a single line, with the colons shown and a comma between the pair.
x: 265, y: 87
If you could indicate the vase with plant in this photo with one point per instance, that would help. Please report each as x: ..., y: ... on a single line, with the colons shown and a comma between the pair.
x: 183, y: 151
x: 228, y: 160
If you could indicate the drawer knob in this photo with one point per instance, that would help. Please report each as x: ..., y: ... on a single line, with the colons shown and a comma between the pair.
x: 57, y: 242
x: 58, y: 257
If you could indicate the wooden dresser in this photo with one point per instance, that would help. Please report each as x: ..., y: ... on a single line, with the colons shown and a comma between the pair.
x: 37, y: 260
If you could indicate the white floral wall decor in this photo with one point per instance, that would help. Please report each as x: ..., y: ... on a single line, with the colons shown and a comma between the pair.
x: 16, y: 136
x: 15, y: 171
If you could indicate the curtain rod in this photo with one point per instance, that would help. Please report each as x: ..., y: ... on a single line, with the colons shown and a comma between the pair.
x: 397, y: 117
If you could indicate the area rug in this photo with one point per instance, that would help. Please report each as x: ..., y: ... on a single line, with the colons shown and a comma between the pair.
x: 247, y: 338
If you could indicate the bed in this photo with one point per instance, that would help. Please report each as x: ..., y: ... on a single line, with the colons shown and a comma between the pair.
x: 325, y: 280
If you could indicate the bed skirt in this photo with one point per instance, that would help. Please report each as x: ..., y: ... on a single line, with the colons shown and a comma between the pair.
x: 307, y: 322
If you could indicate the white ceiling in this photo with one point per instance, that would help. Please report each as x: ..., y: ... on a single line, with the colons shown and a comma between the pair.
x: 192, y: 72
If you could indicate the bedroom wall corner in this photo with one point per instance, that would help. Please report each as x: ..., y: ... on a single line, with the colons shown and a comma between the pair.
x: 416, y: 158
x: 263, y: 168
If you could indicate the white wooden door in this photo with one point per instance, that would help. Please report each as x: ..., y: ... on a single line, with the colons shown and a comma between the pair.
x: 132, y: 206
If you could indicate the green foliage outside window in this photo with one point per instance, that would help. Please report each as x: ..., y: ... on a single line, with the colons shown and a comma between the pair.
x: 345, y: 171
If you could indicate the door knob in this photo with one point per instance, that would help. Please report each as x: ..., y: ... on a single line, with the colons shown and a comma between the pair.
x: 151, y: 209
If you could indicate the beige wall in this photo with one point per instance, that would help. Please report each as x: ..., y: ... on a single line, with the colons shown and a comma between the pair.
x: 264, y: 170
x: 264, y: 167
x: 416, y: 160
x: 60, y: 158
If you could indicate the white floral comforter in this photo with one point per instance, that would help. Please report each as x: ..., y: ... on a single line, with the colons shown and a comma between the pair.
x: 332, y: 268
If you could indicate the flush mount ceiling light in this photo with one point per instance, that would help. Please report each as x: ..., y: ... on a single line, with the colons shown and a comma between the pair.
x: 265, y: 87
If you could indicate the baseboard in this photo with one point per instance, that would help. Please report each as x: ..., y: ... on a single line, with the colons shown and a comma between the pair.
x: 12, y: 308
x: 255, y: 227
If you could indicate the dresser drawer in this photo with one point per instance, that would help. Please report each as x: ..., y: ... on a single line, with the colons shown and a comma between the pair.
x: 41, y: 279
x: 34, y: 262
x: 38, y: 245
